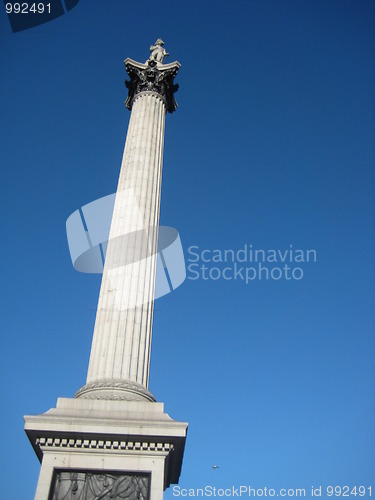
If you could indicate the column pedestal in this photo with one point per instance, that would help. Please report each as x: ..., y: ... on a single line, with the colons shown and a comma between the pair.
x: 93, y: 449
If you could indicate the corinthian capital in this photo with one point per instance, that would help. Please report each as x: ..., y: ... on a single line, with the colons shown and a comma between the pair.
x: 152, y: 77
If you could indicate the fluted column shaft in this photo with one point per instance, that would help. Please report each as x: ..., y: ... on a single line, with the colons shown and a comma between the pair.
x: 122, y: 334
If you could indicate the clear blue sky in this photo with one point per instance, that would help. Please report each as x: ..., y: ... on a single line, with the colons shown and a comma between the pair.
x: 272, y: 145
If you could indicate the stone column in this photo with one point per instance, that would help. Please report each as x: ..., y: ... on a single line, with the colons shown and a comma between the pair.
x: 120, y: 354
x: 109, y: 441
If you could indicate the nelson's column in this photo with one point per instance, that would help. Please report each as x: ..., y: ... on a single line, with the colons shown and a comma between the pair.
x: 113, y: 441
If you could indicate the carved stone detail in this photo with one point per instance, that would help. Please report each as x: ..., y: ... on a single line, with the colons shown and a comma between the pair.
x: 115, y: 390
x: 95, y: 485
x: 152, y: 77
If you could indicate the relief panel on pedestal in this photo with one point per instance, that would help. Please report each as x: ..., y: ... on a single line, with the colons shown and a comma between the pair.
x: 94, y: 485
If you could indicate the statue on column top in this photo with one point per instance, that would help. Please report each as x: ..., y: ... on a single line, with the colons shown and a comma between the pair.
x: 157, y: 52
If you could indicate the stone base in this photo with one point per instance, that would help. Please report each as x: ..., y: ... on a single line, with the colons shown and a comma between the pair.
x: 115, y: 390
x: 91, y: 449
